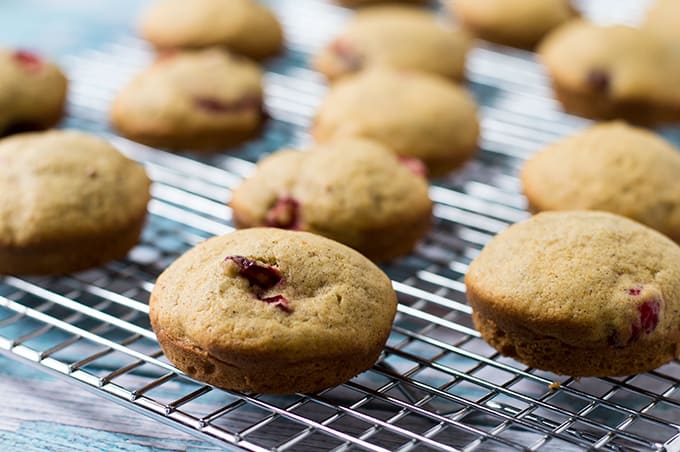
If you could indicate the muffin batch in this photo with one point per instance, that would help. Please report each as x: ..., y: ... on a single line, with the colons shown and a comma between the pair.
x: 293, y: 303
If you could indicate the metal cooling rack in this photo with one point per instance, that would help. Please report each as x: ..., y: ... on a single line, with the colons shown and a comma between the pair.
x: 437, y: 386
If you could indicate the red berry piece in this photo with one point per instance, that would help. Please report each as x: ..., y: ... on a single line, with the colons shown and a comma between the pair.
x: 212, y: 105
x: 599, y: 80
x: 29, y: 61
x: 280, y: 302
x: 217, y: 106
x: 347, y: 54
x: 648, y: 318
x: 634, y: 291
x: 166, y: 54
x: 416, y: 166
x: 284, y: 214
x: 262, y: 276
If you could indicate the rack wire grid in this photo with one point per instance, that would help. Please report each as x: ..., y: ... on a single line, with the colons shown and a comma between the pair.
x: 437, y: 384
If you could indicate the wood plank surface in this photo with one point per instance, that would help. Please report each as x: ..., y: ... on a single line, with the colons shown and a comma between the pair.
x: 42, y: 413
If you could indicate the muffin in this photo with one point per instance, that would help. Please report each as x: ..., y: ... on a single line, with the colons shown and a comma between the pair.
x: 201, y: 101
x: 520, y: 23
x: 398, y: 36
x: 354, y: 191
x: 607, y: 72
x: 273, y: 311
x: 32, y: 92
x: 354, y: 3
x: 242, y: 26
x: 415, y: 114
x: 579, y: 293
x: 612, y: 167
x: 68, y: 201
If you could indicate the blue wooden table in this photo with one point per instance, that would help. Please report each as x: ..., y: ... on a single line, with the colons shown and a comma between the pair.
x: 39, y: 412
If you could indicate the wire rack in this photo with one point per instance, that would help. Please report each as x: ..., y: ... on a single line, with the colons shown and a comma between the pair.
x: 437, y: 385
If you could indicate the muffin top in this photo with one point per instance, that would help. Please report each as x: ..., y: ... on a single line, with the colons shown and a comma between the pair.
x: 398, y: 36
x: 60, y: 185
x: 662, y: 19
x: 340, y: 189
x: 612, y: 167
x: 519, y: 23
x: 32, y: 90
x: 588, y: 279
x: 367, y: 2
x: 242, y: 26
x: 415, y: 114
x: 265, y: 292
x: 625, y: 63
x: 191, y: 93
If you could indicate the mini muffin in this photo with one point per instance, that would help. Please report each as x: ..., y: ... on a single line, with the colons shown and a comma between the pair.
x: 415, y: 114
x: 613, y: 72
x: 397, y: 36
x: 612, y: 167
x: 519, y: 23
x: 203, y: 100
x: 579, y: 293
x: 32, y: 92
x: 354, y: 191
x: 241, y: 26
x: 353, y: 3
x: 662, y: 19
x: 68, y: 201
x: 273, y: 311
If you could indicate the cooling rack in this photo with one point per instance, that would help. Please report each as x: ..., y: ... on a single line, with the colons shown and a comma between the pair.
x: 437, y: 385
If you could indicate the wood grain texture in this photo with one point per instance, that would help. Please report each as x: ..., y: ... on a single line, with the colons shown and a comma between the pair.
x: 38, y: 412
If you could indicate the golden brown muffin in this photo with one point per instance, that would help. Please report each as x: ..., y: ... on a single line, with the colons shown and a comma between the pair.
x: 32, y: 92
x: 273, y: 311
x: 68, y: 201
x: 351, y: 190
x: 354, y: 3
x: 612, y: 167
x: 413, y: 113
x: 607, y: 72
x: 398, y: 36
x: 518, y: 23
x: 241, y: 26
x: 579, y: 293
x: 202, y: 101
